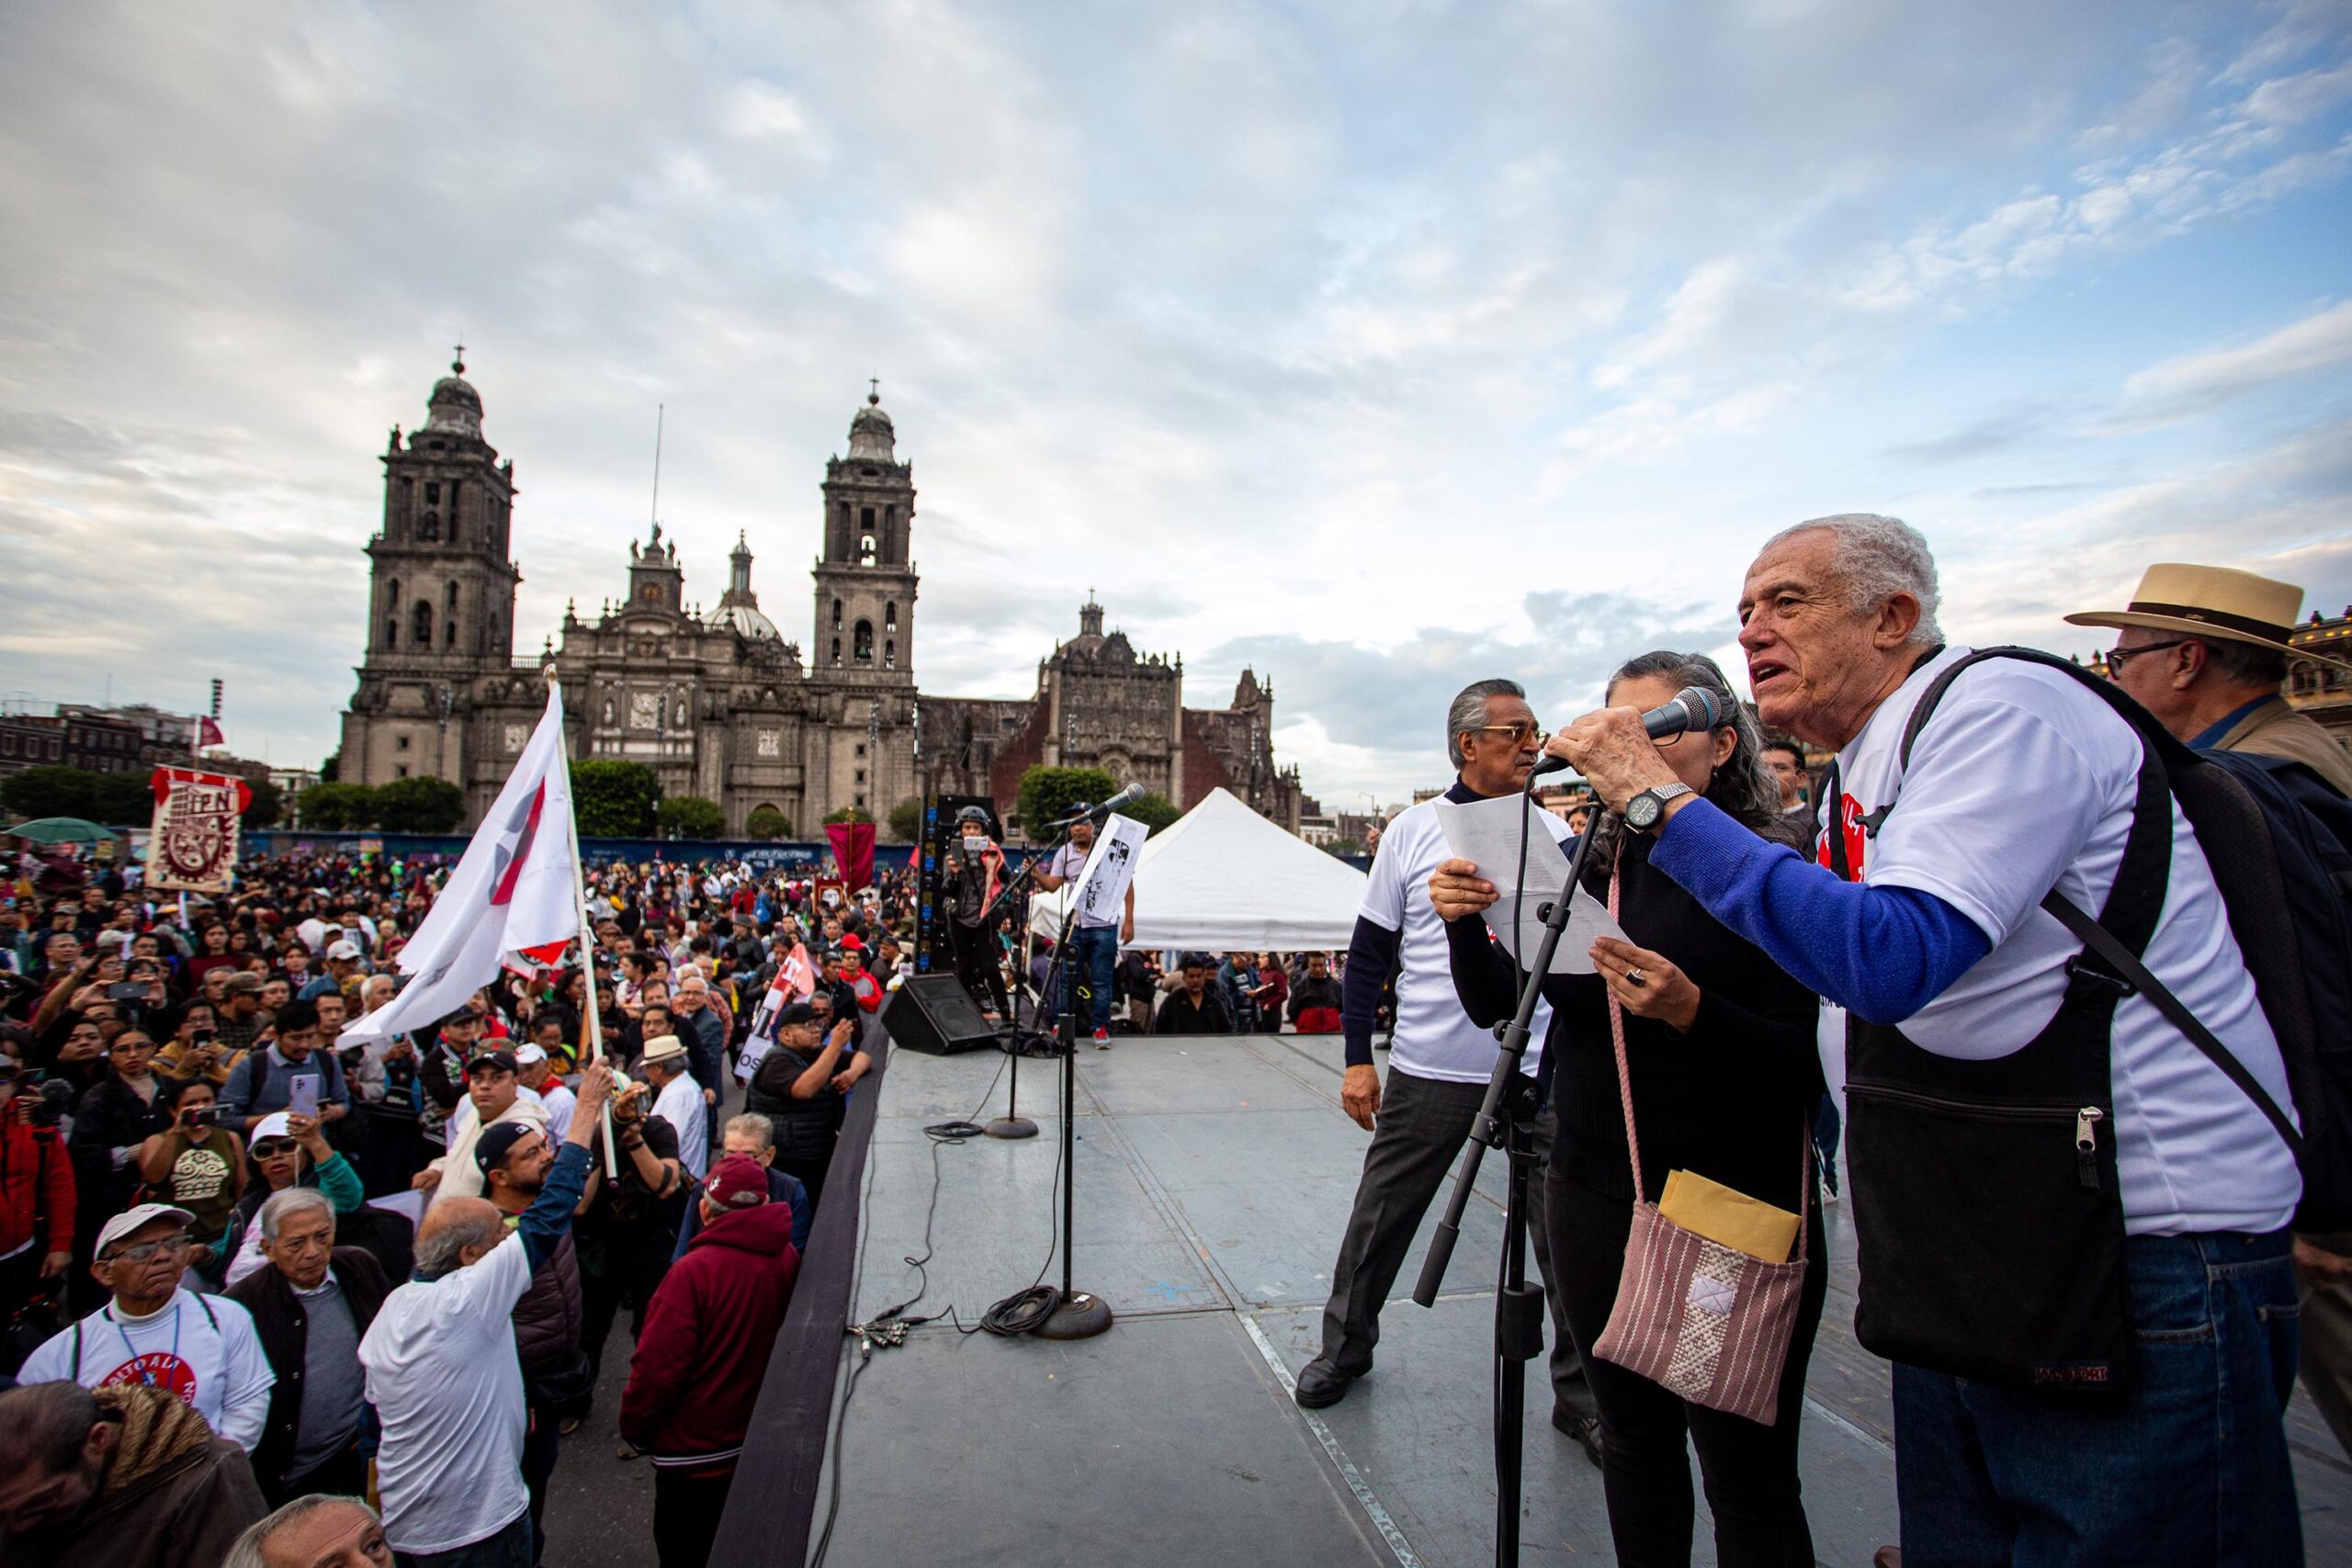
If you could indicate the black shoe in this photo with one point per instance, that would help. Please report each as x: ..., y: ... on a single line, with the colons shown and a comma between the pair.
x: 1320, y: 1384
x: 1585, y: 1430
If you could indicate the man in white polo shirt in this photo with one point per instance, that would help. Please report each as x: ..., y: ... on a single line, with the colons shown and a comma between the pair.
x: 1439, y: 1061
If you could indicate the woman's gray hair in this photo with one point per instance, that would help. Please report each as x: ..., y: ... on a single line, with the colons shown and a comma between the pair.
x: 1879, y: 557
x: 1742, y: 787
x: 1469, y: 711
x: 442, y: 1251
x: 246, y: 1552
x: 279, y: 1205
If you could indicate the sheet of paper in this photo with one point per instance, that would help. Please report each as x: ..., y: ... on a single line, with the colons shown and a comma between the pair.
x: 1487, y: 833
x: 409, y: 1205
x: 1110, y: 866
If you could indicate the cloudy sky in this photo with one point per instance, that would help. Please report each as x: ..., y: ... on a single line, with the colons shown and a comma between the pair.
x: 1379, y: 344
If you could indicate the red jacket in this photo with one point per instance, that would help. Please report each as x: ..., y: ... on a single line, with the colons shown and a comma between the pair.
x: 36, y: 1182
x: 707, y: 1335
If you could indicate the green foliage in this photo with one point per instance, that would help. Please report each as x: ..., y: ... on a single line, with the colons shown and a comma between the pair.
x: 48, y: 792
x: 331, y: 771
x: 691, y: 816
x: 419, y: 805
x: 1047, y: 793
x: 267, y: 805
x: 123, y: 800
x: 337, y: 807
x: 768, y: 824
x: 1154, y: 811
x: 614, y: 800
x: 906, y: 822
x: 847, y: 814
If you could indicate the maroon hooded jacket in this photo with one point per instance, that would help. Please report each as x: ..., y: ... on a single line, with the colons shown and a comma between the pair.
x: 704, y: 1349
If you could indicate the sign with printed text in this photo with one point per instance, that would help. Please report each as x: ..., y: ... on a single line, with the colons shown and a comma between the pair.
x: 193, y: 844
x: 1110, y: 867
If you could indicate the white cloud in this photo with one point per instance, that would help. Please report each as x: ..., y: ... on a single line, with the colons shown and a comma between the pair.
x: 2321, y: 340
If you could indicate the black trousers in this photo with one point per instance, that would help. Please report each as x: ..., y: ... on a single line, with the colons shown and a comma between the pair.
x: 341, y: 1475
x: 686, y: 1510
x: 977, y: 966
x: 1422, y: 1125
x: 1750, y: 1471
x: 628, y: 1279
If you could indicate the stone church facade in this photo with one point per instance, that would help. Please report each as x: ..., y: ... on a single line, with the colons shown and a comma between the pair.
x: 717, y: 702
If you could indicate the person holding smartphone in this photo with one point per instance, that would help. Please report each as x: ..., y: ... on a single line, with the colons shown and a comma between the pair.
x: 198, y: 1164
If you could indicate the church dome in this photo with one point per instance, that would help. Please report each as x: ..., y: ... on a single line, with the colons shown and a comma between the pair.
x: 745, y: 621
x: 455, y: 406
x: 871, y: 436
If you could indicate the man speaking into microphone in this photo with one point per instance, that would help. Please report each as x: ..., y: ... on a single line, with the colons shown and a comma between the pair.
x: 1095, y: 939
x: 1439, y: 1061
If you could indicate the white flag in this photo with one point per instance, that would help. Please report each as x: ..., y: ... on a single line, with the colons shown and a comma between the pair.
x: 515, y: 889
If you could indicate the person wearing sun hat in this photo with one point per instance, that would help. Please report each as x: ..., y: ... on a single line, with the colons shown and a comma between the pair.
x: 2205, y: 648
x: 678, y: 1101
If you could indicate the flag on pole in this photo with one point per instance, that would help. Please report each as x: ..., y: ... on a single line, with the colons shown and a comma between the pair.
x: 208, y: 733
x: 514, y: 891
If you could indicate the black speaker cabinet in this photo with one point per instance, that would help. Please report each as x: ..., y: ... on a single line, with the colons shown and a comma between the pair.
x: 932, y: 1014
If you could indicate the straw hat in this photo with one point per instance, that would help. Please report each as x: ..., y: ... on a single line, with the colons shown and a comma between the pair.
x: 2211, y: 602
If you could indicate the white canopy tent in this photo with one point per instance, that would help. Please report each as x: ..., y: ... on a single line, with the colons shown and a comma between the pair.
x: 1222, y: 879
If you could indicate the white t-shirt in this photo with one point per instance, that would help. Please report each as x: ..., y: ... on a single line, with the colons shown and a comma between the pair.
x: 213, y: 1360
x: 558, y: 1101
x: 680, y: 1104
x: 2020, y: 780
x: 444, y: 1382
x: 1435, y: 1039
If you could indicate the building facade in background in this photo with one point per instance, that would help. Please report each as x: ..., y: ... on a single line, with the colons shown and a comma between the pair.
x: 717, y: 702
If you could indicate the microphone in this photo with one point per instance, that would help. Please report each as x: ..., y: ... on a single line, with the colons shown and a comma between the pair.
x: 1692, y: 709
x: 1126, y: 796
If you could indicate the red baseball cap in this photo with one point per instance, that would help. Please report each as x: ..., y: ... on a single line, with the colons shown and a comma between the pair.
x: 739, y: 1181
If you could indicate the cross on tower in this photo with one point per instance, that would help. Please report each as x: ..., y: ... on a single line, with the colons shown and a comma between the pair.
x: 457, y: 364
x: 874, y: 392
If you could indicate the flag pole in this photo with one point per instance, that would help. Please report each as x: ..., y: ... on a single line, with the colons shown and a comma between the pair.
x: 587, y: 932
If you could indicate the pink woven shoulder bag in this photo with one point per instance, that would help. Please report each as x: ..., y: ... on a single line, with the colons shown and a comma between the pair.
x: 1706, y: 1321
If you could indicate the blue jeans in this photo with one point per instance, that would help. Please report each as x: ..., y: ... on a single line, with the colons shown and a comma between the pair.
x: 2191, y: 1468
x: 1093, y: 949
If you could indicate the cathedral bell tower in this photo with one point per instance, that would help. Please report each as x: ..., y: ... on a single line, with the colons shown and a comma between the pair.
x: 865, y: 581
x: 441, y: 597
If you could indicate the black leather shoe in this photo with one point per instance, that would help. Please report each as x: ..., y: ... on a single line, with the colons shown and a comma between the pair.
x: 1585, y: 1430
x: 1319, y: 1385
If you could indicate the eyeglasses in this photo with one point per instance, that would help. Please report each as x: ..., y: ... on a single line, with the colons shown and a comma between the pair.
x: 145, y: 1251
x: 1519, y: 733
x: 2116, y: 657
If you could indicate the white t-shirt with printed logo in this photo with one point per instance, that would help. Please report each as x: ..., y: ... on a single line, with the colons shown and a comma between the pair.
x: 2022, y: 781
x: 206, y: 1351
x: 1435, y: 1039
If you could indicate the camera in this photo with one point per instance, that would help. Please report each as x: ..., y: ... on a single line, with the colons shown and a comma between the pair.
x: 126, y: 990
x: 201, y: 1116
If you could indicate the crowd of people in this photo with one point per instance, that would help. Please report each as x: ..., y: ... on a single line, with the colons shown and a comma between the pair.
x: 410, y: 1252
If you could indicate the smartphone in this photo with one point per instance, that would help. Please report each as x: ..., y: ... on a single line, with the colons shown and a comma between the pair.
x: 202, y: 1116
x: 302, y: 1097
x: 126, y: 990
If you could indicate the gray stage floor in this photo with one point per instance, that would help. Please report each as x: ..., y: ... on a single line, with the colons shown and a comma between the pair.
x: 1214, y: 1176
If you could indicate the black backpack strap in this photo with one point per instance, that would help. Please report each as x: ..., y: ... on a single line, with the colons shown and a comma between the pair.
x: 2096, y: 938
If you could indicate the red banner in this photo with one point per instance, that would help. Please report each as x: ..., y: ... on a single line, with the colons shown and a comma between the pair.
x: 193, y: 846
x: 853, y: 851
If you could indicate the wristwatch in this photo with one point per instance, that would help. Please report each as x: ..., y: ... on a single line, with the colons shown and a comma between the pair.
x: 1645, y: 810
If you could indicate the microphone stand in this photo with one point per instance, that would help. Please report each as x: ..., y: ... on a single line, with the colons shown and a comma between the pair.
x: 1507, y: 1120
x: 1012, y: 1124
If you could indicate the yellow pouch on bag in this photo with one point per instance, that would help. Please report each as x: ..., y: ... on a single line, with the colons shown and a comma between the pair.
x: 1727, y: 1216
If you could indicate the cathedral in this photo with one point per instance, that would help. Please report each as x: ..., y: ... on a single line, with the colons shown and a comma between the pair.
x: 717, y: 702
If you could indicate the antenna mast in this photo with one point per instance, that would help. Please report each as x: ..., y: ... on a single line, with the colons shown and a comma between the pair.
x: 659, y: 410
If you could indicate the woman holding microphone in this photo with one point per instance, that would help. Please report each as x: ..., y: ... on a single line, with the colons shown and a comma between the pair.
x: 1716, y: 1074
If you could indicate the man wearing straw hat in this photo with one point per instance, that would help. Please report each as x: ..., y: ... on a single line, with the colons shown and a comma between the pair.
x: 2205, y: 649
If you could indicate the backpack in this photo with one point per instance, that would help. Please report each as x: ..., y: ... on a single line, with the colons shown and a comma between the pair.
x: 2279, y: 843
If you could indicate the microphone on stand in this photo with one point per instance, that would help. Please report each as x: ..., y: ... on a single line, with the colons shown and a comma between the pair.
x: 1692, y: 708
x: 1126, y: 796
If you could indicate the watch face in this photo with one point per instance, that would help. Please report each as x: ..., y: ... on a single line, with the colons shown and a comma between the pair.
x: 1642, y: 810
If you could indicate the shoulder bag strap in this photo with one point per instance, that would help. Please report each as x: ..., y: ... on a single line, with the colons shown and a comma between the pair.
x: 2099, y: 939
x: 1624, y: 1076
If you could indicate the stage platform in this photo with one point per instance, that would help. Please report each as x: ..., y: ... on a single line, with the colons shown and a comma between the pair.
x: 1214, y: 1177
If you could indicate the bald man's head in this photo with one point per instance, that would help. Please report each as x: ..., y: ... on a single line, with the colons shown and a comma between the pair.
x: 457, y: 1232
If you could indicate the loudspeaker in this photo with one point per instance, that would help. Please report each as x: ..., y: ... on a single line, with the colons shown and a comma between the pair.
x: 931, y: 1013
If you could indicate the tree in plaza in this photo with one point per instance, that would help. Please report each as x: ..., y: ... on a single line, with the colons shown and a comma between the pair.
x: 614, y: 800
x: 267, y: 805
x: 1154, y: 811
x: 1047, y: 793
x: 906, y: 821
x: 419, y: 804
x: 331, y: 771
x: 338, y: 807
x: 847, y: 814
x: 767, y: 824
x: 691, y: 816
x: 121, y: 800
x: 48, y: 792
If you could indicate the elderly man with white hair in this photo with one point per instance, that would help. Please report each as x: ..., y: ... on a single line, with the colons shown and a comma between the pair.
x: 2072, y: 1225
x: 314, y: 1532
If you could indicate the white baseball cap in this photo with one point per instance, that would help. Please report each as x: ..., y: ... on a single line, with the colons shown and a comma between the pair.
x: 130, y: 1220
x: 525, y: 1054
x: 347, y: 948
x: 276, y: 1125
